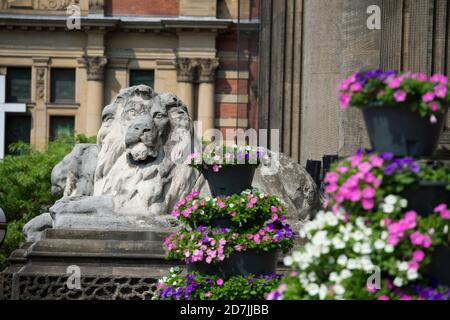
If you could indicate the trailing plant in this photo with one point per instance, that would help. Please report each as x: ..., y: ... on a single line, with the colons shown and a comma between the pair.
x: 195, y: 286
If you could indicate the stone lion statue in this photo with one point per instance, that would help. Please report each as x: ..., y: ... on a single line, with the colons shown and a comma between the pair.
x: 134, y: 175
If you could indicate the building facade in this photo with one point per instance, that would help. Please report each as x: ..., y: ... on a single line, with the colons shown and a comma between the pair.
x: 67, y: 59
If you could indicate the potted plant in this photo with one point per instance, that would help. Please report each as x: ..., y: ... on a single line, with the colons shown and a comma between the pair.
x: 250, y: 246
x: 404, y: 112
x: 228, y: 170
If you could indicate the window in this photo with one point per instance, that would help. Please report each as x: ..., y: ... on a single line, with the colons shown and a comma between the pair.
x: 18, y: 85
x: 146, y: 77
x: 62, y: 86
x: 17, y: 128
x: 61, y: 126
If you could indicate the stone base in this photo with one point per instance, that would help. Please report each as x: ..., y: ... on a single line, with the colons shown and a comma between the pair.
x: 112, y: 265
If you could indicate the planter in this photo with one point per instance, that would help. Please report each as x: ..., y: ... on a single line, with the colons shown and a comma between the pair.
x: 401, y: 131
x: 240, y: 264
x: 438, y: 270
x: 425, y: 196
x: 223, y: 223
x: 230, y: 180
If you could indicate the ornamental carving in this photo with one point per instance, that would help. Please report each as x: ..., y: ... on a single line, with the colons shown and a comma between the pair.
x: 41, y: 4
x: 40, y: 83
x: 95, y: 67
x: 208, y: 69
x: 185, y: 69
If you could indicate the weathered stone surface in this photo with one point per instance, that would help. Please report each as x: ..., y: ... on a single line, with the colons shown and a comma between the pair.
x: 34, y: 228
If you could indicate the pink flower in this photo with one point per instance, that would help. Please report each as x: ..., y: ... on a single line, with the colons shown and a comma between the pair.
x: 233, y: 214
x: 413, y: 265
x: 175, y: 213
x: 418, y: 255
x: 208, y: 295
x: 434, y: 106
x: 433, y: 119
x: 428, y: 97
x: 400, y: 96
x: 406, y: 298
x: 440, y: 91
x: 365, y: 167
x: 445, y: 214
x: 440, y: 208
x: 331, y: 188
x: 250, y: 205
x: 219, y: 282
x: 216, y: 168
x: 394, y: 83
x: 250, y: 237
x: 331, y: 177
x: 274, y: 217
x: 257, y: 239
x: 341, y: 169
x: 221, y: 205
x: 368, y: 192
x: 273, y: 209
x: 344, y: 100
x: 368, y: 204
x: 376, y: 161
x: 253, y: 200
x: 369, y: 177
x: 356, y: 87
x: 384, y: 298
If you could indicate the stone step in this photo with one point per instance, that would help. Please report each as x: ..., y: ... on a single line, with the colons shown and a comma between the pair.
x: 105, y: 235
x: 88, y: 248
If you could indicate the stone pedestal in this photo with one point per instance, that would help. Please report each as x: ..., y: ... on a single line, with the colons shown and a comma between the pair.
x: 112, y: 265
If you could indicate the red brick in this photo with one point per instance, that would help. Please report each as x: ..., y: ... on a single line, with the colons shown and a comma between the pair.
x: 142, y: 8
x: 227, y: 86
x: 228, y: 110
x: 254, y: 9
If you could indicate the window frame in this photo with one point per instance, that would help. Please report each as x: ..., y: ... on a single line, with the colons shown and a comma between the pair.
x: 53, y: 93
x: 8, y: 83
x: 130, y: 75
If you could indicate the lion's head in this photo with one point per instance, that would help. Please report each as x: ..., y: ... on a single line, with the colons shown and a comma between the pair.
x: 143, y: 136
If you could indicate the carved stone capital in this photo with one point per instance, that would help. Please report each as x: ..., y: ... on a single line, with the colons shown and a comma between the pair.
x: 208, y: 67
x: 95, y: 66
x: 185, y: 69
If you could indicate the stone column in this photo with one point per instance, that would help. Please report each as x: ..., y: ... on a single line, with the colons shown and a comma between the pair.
x: 40, y: 128
x: 95, y: 73
x: 185, y: 76
x: 206, y: 94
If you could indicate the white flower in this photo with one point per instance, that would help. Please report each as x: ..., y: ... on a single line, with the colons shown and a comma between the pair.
x: 312, y: 276
x: 398, y: 282
x: 342, y: 260
x: 391, y: 199
x: 403, y: 203
x: 379, y: 244
x: 345, y: 274
x: 357, y: 247
x: 313, y: 289
x: 402, y: 266
x: 412, y: 274
x: 338, y: 243
x: 323, y: 292
x: 352, y: 264
x: 288, y: 261
x: 384, y: 235
x: 358, y: 235
x: 365, y: 248
x: 339, y: 290
x: 334, y: 277
x: 445, y: 229
x: 389, y: 248
x: 388, y: 208
x: 231, y: 205
x: 332, y: 221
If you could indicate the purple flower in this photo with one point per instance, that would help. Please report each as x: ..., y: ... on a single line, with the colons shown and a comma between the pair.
x: 387, y: 156
x: 390, y: 169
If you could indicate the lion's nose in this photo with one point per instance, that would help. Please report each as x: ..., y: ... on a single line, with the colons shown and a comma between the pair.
x: 140, y: 128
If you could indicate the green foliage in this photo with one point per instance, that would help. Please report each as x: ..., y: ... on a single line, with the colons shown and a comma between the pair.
x: 25, y: 185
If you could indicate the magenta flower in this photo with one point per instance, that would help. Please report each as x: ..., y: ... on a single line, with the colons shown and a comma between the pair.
x: 440, y: 91
x: 233, y: 214
x: 344, y: 100
x: 428, y: 97
x: 331, y: 177
x: 368, y: 204
x: 434, y: 106
x: 418, y: 255
x: 413, y: 265
x: 400, y: 96
x: 356, y: 87
x: 365, y: 167
x: 175, y: 213
x: 384, y: 298
x: 273, y: 209
x: 274, y: 217
x: 250, y: 205
x: 368, y: 192
x: 394, y: 83
x: 219, y: 282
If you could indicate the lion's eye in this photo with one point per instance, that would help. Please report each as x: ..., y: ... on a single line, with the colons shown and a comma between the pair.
x: 158, y: 115
x: 131, y: 112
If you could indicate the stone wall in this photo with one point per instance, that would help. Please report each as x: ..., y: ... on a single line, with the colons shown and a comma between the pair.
x: 307, y: 46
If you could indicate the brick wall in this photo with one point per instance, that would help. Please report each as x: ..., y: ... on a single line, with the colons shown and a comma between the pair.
x: 142, y: 8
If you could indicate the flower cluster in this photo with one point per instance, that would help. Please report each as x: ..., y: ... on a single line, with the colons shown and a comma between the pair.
x: 217, y: 156
x: 361, y: 181
x: 427, y: 95
x: 216, y: 244
x: 249, y: 207
x: 194, y: 286
x: 341, y: 250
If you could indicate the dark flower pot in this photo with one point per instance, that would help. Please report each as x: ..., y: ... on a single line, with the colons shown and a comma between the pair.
x: 425, y: 196
x: 439, y: 268
x: 240, y: 264
x: 398, y: 130
x: 229, y: 180
x: 223, y: 223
